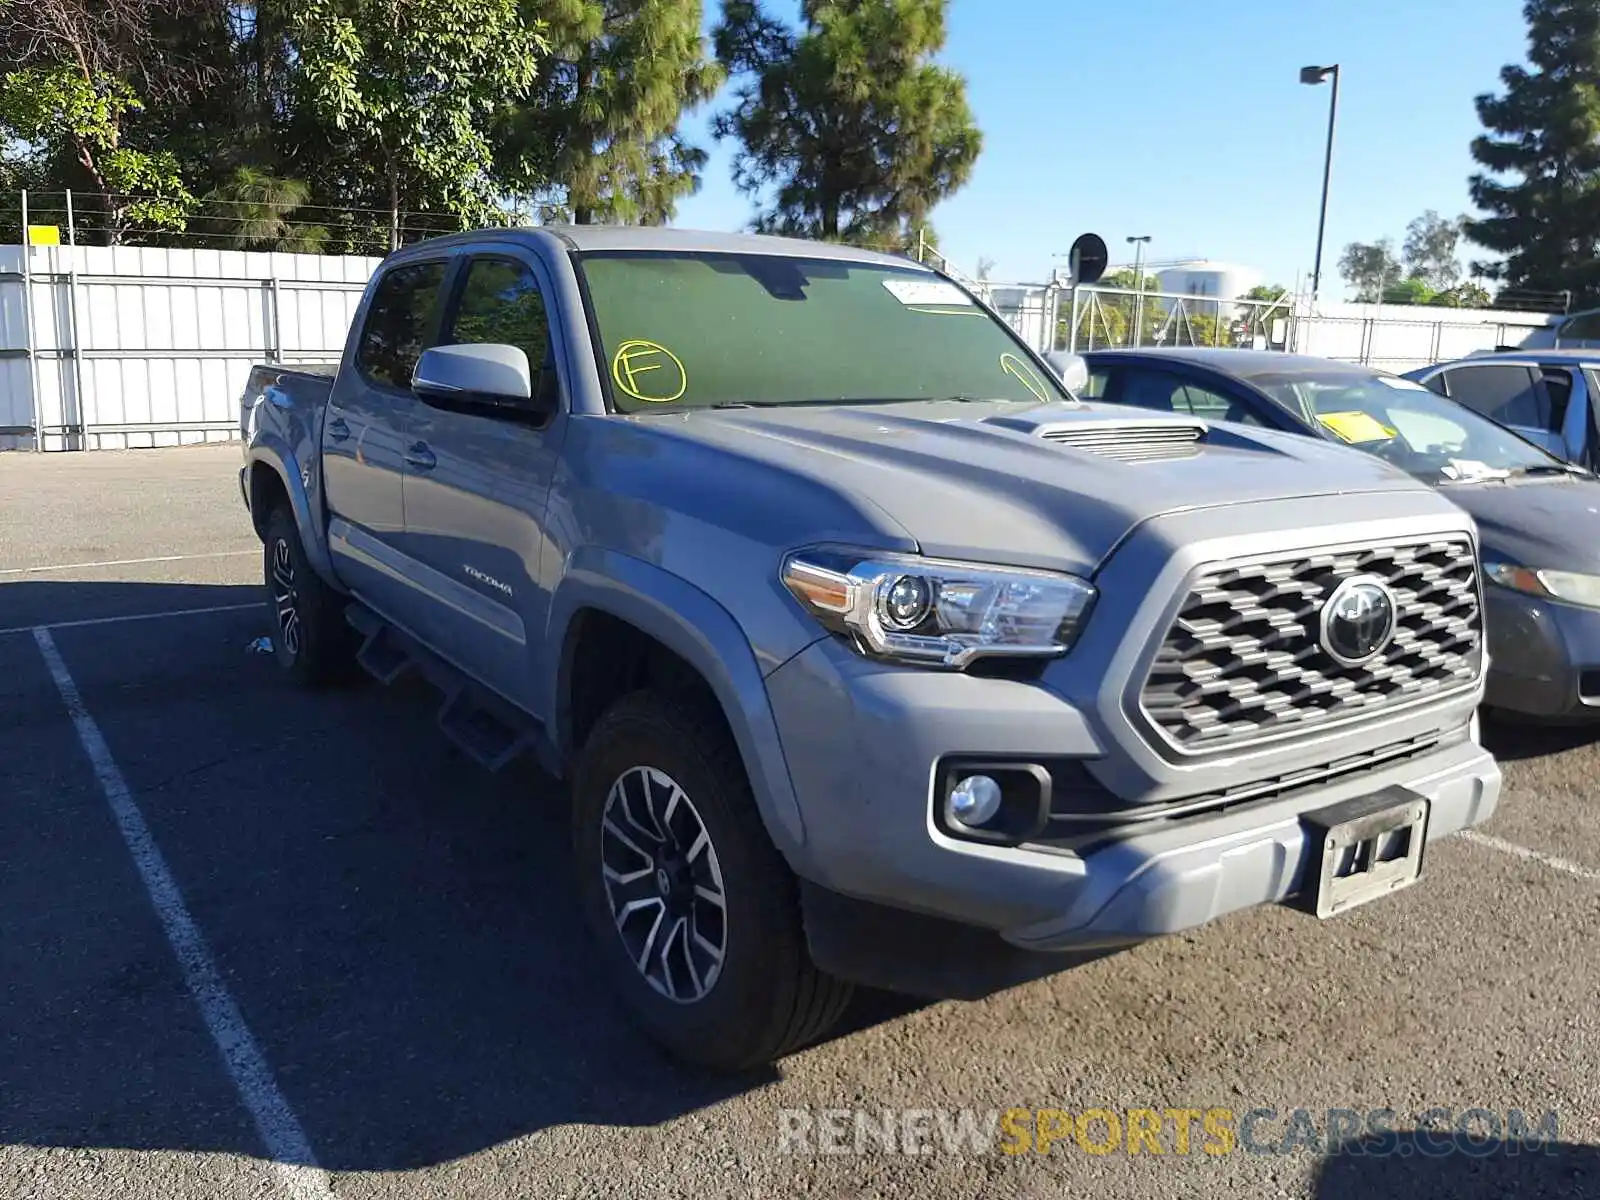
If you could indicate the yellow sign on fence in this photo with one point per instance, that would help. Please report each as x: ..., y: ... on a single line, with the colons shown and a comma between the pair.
x: 44, y: 235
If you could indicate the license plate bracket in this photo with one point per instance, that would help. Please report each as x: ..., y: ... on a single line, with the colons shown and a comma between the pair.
x: 1363, y: 848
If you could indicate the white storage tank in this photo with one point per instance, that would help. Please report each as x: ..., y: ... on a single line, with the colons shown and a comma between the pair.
x: 1205, y: 278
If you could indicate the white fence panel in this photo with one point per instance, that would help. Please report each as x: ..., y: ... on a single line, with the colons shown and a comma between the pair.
x: 132, y: 346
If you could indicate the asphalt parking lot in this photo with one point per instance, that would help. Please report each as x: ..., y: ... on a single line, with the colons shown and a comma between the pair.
x: 386, y: 992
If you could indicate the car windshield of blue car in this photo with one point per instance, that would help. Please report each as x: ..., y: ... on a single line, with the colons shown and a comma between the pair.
x: 1432, y: 437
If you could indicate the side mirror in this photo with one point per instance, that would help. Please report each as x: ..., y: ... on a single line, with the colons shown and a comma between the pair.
x: 1070, y: 368
x: 486, y: 374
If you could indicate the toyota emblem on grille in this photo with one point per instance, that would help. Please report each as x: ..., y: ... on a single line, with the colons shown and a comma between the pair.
x: 1358, y: 620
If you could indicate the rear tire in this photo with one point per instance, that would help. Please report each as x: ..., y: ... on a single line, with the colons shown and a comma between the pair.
x: 310, y: 638
x: 695, y: 914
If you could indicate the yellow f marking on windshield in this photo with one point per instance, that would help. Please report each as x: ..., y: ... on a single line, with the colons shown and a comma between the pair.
x: 632, y: 367
x: 1025, y: 375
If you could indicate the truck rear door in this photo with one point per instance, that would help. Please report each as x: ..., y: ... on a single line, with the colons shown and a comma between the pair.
x: 366, y: 438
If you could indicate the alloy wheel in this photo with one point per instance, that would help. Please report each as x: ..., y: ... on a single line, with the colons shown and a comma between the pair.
x: 664, y: 884
x: 285, y: 597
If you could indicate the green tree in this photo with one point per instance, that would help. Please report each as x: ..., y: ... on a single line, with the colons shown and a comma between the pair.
x: 84, y: 88
x: 255, y: 210
x: 40, y: 105
x: 1463, y: 295
x: 600, y: 131
x: 846, y: 127
x: 413, y: 88
x: 1371, y: 268
x: 1429, y: 251
x: 1540, y: 186
x: 1411, y: 290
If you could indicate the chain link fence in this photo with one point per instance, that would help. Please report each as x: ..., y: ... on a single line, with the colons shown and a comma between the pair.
x: 1098, y: 318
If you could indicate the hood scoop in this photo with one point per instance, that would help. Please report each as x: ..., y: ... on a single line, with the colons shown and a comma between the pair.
x: 1124, y: 434
x: 1129, y: 441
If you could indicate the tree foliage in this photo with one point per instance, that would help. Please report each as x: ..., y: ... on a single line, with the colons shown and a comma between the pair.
x: 847, y: 128
x: 413, y: 87
x: 1540, y: 153
x: 345, y: 125
x: 1429, y: 251
x: 79, y: 77
x: 1371, y: 268
x: 603, y: 121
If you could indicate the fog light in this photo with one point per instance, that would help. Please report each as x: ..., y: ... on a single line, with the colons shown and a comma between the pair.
x: 974, y: 800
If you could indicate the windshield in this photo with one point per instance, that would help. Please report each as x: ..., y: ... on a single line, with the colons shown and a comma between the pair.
x: 686, y: 330
x: 1403, y: 422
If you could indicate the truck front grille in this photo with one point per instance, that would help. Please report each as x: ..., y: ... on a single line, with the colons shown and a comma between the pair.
x: 1243, y: 660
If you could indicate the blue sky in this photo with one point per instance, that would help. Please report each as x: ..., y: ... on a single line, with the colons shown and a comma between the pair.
x: 1186, y: 120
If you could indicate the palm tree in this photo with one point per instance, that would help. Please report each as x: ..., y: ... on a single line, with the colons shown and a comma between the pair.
x: 255, y: 208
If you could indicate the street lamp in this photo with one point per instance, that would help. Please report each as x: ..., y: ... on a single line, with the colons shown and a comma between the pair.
x: 1138, y: 244
x: 1313, y: 76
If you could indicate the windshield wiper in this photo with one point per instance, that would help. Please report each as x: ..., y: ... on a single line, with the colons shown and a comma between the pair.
x: 1550, y: 468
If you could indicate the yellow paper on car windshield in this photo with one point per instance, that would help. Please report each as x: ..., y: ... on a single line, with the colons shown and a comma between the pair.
x: 1356, y: 427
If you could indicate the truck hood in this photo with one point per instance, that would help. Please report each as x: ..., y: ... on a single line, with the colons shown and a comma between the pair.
x: 1055, y: 485
x: 1552, y: 523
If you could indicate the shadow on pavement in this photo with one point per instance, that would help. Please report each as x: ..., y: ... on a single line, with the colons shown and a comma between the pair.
x: 1421, y: 1164
x: 397, y: 926
x: 1515, y: 740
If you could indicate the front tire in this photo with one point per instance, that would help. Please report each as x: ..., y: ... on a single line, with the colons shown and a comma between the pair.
x: 695, y: 914
x: 310, y: 638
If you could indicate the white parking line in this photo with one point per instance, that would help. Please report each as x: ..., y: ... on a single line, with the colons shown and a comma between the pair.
x: 1539, y: 856
x: 280, y: 1129
x: 156, y: 616
x: 127, y: 562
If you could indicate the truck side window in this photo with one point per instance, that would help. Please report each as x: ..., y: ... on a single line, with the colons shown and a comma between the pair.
x: 1558, y: 386
x: 398, y: 321
x: 500, y: 303
x: 1506, y: 394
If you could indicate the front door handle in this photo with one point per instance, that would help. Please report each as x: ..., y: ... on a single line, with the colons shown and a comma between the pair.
x: 420, y: 457
x: 338, y: 430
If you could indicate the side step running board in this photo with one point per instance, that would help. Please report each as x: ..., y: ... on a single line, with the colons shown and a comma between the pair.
x: 484, y: 727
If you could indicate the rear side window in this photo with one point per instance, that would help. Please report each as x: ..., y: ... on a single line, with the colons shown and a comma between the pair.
x: 1507, y: 394
x: 399, y: 320
x: 1558, y: 387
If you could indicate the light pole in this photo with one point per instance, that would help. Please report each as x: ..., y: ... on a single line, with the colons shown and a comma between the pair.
x: 1313, y: 76
x: 1138, y: 244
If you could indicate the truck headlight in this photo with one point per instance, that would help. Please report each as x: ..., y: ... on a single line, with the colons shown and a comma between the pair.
x: 1569, y: 586
x: 933, y: 612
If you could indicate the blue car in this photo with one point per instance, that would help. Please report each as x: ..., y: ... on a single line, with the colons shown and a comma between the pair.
x: 1538, y: 517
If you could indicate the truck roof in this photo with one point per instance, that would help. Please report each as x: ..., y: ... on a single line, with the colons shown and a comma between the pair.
x: 679, y: 240
x: 690, y: 241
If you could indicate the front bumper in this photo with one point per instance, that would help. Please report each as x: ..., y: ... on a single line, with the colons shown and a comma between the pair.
x: 862, y: 744
x: 1148, y: 886
x: 1544, y: 657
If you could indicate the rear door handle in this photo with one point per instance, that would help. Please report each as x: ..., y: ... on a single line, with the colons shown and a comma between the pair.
x: 338, y: 430
x: 420, y: 457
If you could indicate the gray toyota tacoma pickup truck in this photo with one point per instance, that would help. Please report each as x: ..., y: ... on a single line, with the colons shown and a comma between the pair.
x: 870, y: 654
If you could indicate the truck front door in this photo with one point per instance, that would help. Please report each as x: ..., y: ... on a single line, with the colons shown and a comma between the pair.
x: 477, y: 482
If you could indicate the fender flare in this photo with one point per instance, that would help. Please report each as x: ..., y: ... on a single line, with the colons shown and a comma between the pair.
x: 269, y: 449
x: 699, y: 630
